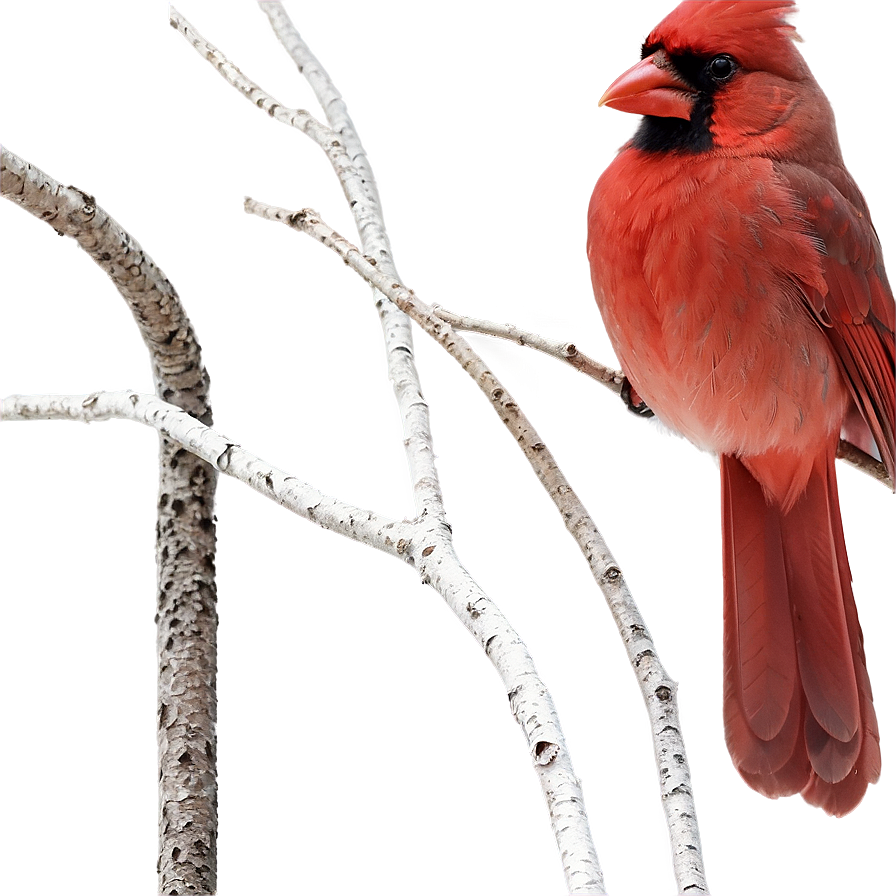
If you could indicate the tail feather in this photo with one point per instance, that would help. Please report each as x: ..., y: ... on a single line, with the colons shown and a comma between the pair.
x: 792, y: 777
x: 843, y: 796
x: 758, y: 623
x: 764, y: 758
x: 840, y: 797
x: 833, y: 759
x: 817, y: 599
x: 799, y: 716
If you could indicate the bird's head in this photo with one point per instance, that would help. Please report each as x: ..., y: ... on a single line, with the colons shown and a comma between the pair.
x: 724, y: 76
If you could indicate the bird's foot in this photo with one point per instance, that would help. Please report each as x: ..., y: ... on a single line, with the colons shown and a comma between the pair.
x: 633, y: 401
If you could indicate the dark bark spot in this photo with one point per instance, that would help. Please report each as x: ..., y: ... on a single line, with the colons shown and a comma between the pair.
x: 612, y: 573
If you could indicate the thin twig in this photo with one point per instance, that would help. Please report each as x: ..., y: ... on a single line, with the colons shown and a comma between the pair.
x: 360, y: 192
x: 857, y: 458
x: 612, y: 379
x: 562, y: 351
x: 657, y: 688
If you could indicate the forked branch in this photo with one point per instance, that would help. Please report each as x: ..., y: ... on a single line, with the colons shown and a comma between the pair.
x: 424, y: 543
x: 533, y: 710
x: 657, y: 688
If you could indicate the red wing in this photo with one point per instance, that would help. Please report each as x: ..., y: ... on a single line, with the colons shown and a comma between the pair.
x: 857, y: 314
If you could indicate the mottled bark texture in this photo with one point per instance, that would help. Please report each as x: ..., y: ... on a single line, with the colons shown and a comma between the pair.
x: 185, y: 548
x: 187, y: 647
x: 164, y: 326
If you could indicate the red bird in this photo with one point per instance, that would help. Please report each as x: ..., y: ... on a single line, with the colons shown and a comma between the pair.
x: 742, y: 285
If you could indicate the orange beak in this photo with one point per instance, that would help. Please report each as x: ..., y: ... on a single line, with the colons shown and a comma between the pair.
x: 651, y: 88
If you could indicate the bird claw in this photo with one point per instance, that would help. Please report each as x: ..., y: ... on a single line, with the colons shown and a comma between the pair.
x: 633, y: 401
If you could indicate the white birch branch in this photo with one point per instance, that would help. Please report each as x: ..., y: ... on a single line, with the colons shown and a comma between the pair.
x: 562, y: 351
x: 424, y: 544
x: 368, y: 216
x: 347, y: 157
x: 187, y: 620
x: 657, y: 688
x: 152, y: 299
x: 532, y: 705
x: 222, y: 453
x: 428, y: 545
x: 612, y: 379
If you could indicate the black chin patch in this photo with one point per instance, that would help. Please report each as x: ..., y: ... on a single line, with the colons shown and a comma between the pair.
x: 656, y: 134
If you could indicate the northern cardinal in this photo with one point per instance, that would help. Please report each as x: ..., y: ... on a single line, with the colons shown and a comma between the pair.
x: 741, y: 282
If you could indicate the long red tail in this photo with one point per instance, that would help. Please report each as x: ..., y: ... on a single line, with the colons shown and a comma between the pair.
x: 799, y: 716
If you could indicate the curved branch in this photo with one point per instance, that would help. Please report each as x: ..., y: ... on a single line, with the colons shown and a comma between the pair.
x: 185, y: 543
x: 657, y: 688
x: 174, y: 352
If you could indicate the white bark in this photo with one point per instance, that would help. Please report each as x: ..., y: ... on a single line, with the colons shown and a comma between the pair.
x: 347, y: 157
x: 223, y: 454
x: 424, y: 544
x: 612, y: 379
x: 427, y: 547
x: 560, y: 786
x: 657, y: 688
x: 562, y: 351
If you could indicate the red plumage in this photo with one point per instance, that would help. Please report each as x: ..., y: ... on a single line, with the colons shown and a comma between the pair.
x: 742, y: 284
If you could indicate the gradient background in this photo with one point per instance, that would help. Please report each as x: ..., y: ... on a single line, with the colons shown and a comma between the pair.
x: 365, y: 741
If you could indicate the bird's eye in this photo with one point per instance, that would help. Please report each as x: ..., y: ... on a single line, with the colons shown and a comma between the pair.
x: 721, y: 68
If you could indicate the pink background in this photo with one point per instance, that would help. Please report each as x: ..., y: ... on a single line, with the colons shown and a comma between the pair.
x: 366, y: 745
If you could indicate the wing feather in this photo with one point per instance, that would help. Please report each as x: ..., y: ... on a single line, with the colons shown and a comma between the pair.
x: 857, y: 312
